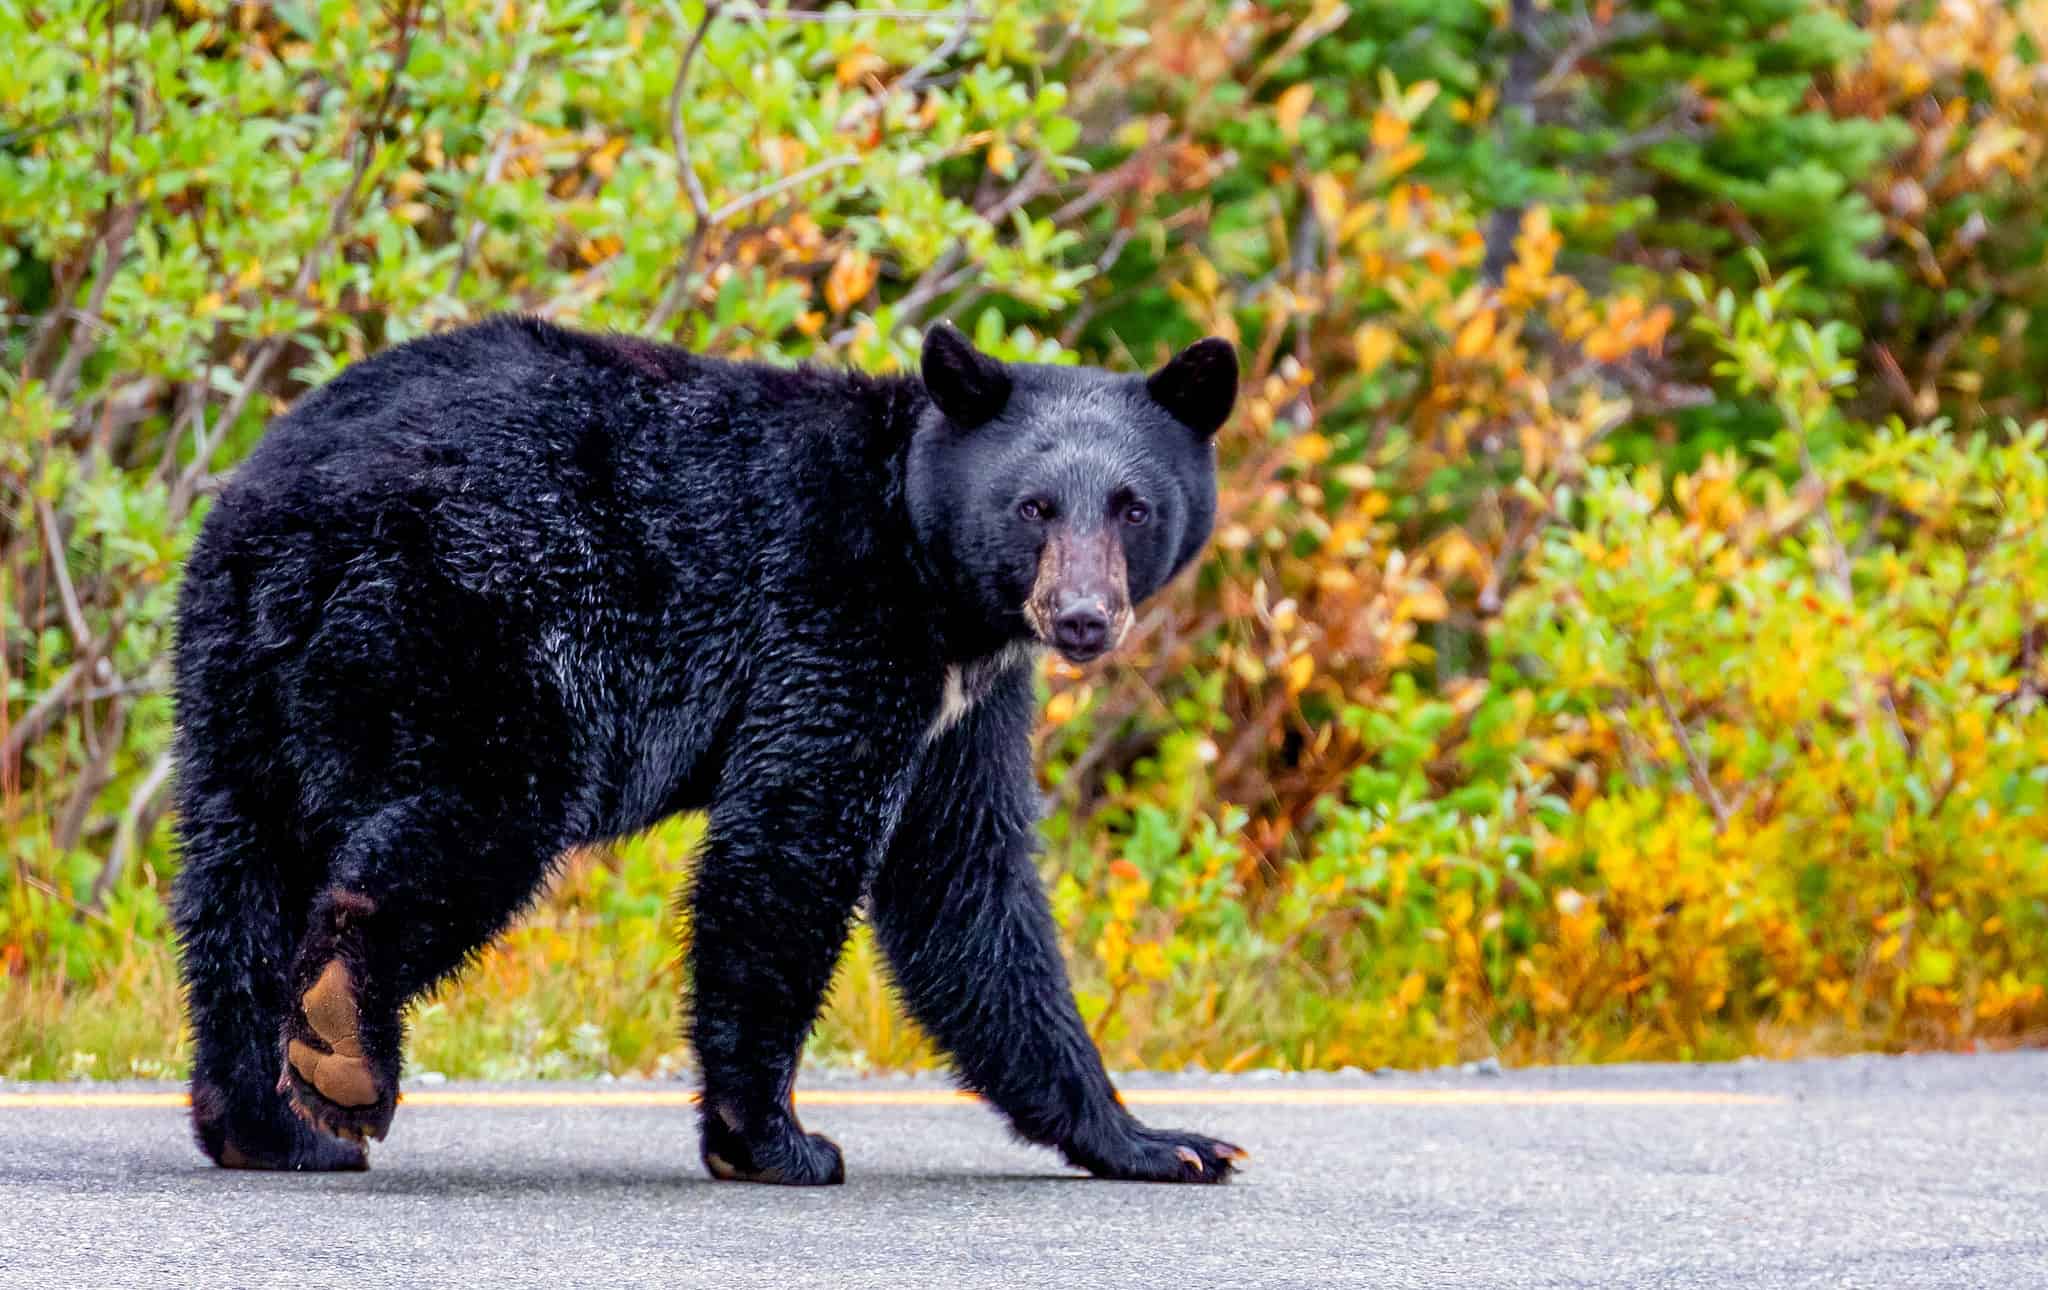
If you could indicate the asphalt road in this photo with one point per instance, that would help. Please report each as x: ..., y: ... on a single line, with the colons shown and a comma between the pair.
x: 1878, y: 1172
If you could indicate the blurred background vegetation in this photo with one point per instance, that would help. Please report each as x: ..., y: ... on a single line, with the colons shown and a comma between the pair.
x: 1624, y: 634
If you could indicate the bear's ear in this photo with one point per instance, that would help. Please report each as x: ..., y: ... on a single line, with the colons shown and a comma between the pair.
x: 1199, y: 386
x: 968, y: 385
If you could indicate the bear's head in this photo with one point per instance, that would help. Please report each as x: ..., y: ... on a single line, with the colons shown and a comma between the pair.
x: 1052, y: 500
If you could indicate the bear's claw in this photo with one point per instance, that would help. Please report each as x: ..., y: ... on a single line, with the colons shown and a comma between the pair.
x: 1161, y: 1155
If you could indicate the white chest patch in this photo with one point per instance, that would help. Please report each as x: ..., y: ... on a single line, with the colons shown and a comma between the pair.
x: 968, y: 683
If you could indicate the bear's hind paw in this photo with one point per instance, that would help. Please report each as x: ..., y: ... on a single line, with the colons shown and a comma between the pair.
x: 329, y: 1080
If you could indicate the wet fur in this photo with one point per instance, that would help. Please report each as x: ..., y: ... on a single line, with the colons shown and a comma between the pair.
x: 514, y: 589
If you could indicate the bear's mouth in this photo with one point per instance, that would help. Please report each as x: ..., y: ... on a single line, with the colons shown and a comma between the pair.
x: 1080, y: 605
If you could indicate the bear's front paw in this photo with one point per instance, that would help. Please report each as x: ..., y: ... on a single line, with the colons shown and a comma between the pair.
x: 1159, y: 1155
x: 783, y: 1154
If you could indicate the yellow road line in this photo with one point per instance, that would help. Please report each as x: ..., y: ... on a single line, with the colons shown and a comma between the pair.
x: 1447, y: 1097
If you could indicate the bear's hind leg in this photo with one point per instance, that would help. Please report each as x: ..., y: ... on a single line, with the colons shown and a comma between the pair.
x: 420, y: 887
x: 340, y: 1064
x: 238, y: 912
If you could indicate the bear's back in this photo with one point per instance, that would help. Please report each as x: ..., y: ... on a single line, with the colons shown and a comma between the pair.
x: 523, y: 465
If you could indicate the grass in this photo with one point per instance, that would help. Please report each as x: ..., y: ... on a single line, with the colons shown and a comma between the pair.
x: 590, y: 982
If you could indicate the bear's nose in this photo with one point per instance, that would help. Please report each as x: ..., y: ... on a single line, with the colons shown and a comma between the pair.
x: 1081, y: 632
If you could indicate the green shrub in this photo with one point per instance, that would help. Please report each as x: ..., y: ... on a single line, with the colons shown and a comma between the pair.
x: 1566, y: 681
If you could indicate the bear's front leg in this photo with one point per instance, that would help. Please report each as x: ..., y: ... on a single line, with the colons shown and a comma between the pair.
x: 802, y: 810
x: 958, y: 909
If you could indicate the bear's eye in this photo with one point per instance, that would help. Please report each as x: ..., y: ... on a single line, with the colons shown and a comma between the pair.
x: 1034, y: 510
x: 1136, y: 513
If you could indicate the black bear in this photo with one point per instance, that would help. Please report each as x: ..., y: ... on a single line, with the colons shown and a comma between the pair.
x: 506, y: 591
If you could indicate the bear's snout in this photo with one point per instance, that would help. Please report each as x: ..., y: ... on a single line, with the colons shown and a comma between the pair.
x: 1080, y: 604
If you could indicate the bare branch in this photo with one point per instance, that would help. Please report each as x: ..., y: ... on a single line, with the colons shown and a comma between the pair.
x: 679, y: 136
x: 74, y: 614
x: 130, y: 836
x: 693, y: 187
x: 37, y: 719
x: 1695, y: 765
x: 95, y: 776
x: 87, y: 323
x: 707, y: 219
x: 187, y: 487
x: 494, y: 168
x: 753, y: 13
x: 921, y: 71
x: 747, y: 201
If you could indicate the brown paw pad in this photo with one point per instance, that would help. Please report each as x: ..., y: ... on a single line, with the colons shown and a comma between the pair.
x: 343, y: 1079
x: 330, y: 1008
x: 340, y: 1073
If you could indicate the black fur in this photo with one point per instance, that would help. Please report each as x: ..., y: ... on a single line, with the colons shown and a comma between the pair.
x: 513, y: 589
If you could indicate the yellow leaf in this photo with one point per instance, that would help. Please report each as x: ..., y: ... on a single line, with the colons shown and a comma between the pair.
x: 1301, y: 669
x: 606, y: 159
x: 853, y: 276
x: 1411, y: 990
x: 1474, y: 336
x: 1149, y: 962
x: 1312, y: 448
x: 859, y: 62
x: 1328, y: 196
x: 1388, y: 131
x: 1291, y: 107
x: 1401, y: 161
x: 1374, y: 345
x: 1001, y: 158
x: 1060, y: 708
x: 1423, y: 603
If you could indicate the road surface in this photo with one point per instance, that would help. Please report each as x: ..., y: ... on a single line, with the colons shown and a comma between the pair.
x: 1878, y: 1172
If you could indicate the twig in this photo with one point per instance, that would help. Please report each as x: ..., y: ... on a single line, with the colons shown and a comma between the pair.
x: 754, y: 13
x: 74, y: 614
x: 259, y: 367
x: 94, y: 777
x: 1838, y: 554
x: 145, y: 685
x: 130, y: 835
x: 494, y: 168
x: 700, y: 206
x: 1589, y: 37
x: 54, y: 894
x: 1695, y: 765
x: 693, y: 187
x: 747, y: 201
x: 914, y: 79
x: 116, y: 244
x: 1312, y: 29
x: 679, y: 136
x: 38, y: 718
